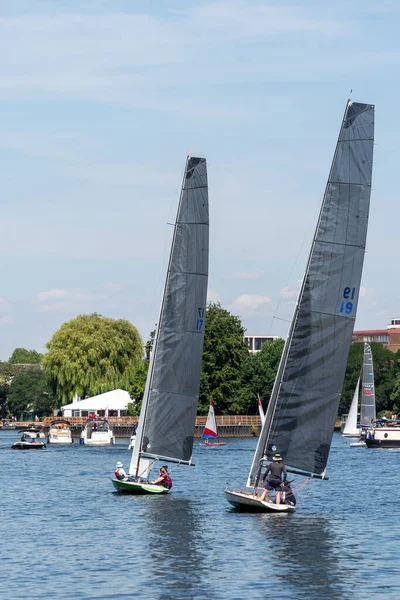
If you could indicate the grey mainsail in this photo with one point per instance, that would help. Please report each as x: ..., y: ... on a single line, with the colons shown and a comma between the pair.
x: 169, y: 407
x: 304, y: 401
x: 367, y: 414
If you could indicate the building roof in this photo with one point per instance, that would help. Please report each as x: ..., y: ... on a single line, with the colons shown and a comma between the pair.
x: 114, y: 400
x: 378, y: 332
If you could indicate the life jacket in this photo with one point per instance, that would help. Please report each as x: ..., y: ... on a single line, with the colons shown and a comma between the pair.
x: 167, y: 481
x: 118, y: 475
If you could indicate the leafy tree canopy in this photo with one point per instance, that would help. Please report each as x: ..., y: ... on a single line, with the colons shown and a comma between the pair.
x: 92, y: 354
x: 136, y: 390
x: 25, y: 357
x: 30, y: 392
x: 258, y: 376
x: 223, y: 356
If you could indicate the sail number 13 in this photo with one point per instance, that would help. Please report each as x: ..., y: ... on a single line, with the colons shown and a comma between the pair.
x: 200, y: 320
x: 347, y: 304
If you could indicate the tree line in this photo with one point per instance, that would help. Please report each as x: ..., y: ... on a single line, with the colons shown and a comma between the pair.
x: 92, y: 354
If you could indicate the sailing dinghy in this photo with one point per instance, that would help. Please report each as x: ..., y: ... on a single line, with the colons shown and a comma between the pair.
x: 350, y: 427
x: 301, y: 414
x: 367, y: 410
x: 210, y: 433
x: 168, y: 415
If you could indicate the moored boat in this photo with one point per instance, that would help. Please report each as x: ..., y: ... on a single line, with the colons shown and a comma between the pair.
x: 31, y: 439
x: 97, y: 432
x: 168, y: 414
x: 383, y: 433
x: 60, y: 432
x: 301, y: 413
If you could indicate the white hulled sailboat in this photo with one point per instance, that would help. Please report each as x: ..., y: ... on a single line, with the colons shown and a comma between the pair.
x: 303, y: 406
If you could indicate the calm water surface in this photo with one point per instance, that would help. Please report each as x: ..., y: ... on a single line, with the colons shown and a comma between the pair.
x: 65, y: 534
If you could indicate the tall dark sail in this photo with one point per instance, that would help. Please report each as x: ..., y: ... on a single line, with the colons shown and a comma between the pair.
x: 304, y: 402
x: 367, y: 412
x: 167, y: 419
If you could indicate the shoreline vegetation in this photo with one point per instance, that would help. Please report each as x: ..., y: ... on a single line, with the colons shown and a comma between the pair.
x: 92, y: 354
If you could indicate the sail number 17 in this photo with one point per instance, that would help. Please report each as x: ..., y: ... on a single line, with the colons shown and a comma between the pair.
x: 347, y: 304
x: 200, y: 320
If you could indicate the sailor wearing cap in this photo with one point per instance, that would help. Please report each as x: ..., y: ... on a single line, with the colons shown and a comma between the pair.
x: 273, y: 477
x: 119, y: 472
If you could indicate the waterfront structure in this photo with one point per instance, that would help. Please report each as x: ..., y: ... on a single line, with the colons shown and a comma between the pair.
x: 389, y: 337
x: 256, y: 342
x: 111, y: 404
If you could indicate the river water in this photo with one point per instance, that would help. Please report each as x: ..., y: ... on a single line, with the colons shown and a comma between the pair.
x: 65, y: 533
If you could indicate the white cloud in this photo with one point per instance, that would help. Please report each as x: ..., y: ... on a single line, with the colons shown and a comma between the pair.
x: 51, y: 295
x: 213, y: 296
x: 247, y: 305
x: 366, y: 292
x: 7, y: 320
x: 63, y: 300
x: 291, y: 291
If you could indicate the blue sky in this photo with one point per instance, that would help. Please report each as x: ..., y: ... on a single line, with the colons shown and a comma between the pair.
x: 101, y: 101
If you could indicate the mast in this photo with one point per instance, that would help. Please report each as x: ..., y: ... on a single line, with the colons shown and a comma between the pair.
x: 302, y: 410
x: 167, y: 417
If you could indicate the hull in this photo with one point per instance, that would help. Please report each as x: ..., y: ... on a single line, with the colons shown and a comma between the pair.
x: 358, y: 445
x: 248, y: 502
x: 382, y: 443
x: 28, y: 446
x: 213, y: 444
x: 352, y: 435
x: 383, y: 437
x: 58, y: 441
x: 133, y: 487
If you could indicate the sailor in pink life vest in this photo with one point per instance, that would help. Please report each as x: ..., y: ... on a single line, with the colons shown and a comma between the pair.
x: 119, y: 472
x: 164, y: 479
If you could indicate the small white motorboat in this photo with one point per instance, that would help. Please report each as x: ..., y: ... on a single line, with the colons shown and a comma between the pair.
x: 31, y: 439
x: 97, y: 432
x: 60, y: 432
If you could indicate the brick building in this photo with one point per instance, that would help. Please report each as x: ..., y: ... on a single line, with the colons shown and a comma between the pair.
x: 389, y: 337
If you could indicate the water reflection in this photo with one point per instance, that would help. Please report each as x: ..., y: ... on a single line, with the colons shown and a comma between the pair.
x: 305, y: 556
x: 175, y: 545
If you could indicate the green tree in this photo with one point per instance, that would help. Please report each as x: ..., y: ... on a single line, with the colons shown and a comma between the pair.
x: 223, y: 356
x: 92, y: 354
x: 25, y: 357
x: 136, y: 390
x: 30, y: 392
x: 258, y: 376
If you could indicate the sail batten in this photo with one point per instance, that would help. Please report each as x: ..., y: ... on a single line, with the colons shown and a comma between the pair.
x: 304, y: 401
x: 169, y: 407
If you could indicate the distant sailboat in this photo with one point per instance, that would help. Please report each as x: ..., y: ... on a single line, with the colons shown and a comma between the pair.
x: 350, y: 427
x: 210, y: 433
x: 367, y: 414
x: 168, y: 415
x: 368, y: 410
x: 303, y: 406
x: 260, y: 410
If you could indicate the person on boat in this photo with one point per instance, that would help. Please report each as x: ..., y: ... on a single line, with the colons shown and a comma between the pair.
x: 119, y: 472
x: 164, y: 478
x: 273, y: 477
x: 288, y: 496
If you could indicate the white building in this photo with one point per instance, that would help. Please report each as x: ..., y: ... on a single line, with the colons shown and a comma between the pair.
x: 115, y: 402
x: 256, y: 342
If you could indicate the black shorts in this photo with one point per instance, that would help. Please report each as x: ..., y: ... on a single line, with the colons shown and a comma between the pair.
x: 272, y: 484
